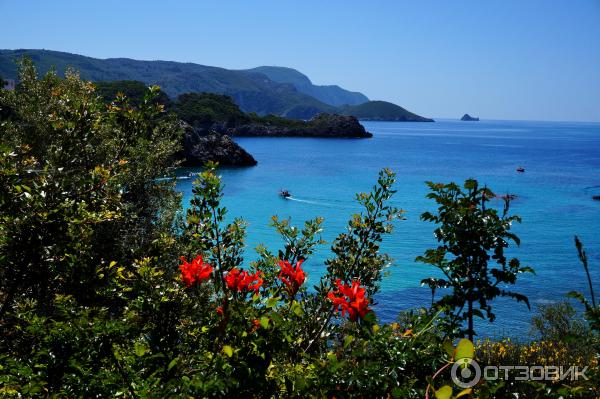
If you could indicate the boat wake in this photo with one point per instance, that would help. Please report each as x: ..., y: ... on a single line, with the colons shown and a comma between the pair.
x: 160, y: 179
x: 309, y: 202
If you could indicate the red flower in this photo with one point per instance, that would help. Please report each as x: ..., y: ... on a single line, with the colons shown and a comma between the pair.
x: 195, y: 272
x: 350, y: 299
x: 292, y: 276
x: 242, y: 281
x: 255, y: 325
x: 220, y: 310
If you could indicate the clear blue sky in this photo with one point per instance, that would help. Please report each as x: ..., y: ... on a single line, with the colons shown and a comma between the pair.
x: 505, y: 59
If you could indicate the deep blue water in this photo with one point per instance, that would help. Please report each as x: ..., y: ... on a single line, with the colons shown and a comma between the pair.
x: 562, y: 162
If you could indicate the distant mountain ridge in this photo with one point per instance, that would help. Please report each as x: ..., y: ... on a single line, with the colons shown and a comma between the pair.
x: 263, y: 90
x: 330, y: 94
x: 252, y: 91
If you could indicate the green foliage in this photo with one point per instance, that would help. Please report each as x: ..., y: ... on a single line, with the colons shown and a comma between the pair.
x: 560, y: 322
x: 78, y: 206
x: 274, y: 120
x: 381, y: 110
x: 471, y: 234
x: 357, y: 250
x: 92, y: 299
x: 134, y: 90
x: 205, y: 109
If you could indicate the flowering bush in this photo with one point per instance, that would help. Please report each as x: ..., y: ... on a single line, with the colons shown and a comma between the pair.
x: 350, y: 299
x: 292, y: 276
x: 195, y: 272
x: 108, y: 290
x: 242, y: 281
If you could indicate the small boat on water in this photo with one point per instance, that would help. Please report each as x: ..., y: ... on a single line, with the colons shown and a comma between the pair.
x: 285, y: 193
x: 520, y: 169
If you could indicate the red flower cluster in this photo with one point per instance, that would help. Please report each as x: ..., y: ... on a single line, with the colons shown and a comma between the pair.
x: 195, y: 272
x: 292, y: 276
x: 350, y: 299
x: 242, y: 281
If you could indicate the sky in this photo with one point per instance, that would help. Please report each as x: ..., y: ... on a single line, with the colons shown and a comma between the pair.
x: 496, y: 59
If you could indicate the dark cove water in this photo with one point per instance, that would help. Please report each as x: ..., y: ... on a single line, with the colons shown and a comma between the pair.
x: 562, y: 162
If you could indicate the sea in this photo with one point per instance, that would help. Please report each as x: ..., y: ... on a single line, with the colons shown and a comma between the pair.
x: 553, y: 197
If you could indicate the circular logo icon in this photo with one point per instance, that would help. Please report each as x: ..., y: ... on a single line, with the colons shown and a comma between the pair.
x: 465, y: 373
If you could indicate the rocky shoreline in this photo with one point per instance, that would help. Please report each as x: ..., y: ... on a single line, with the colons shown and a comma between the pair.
x: 213, y: 142
x: 322, y: 125
x: 200, y: 147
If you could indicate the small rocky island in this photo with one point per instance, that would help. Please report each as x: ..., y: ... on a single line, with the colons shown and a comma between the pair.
x: 469, y: 118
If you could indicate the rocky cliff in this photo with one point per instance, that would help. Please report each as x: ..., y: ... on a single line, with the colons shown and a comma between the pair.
x: 200, y: 146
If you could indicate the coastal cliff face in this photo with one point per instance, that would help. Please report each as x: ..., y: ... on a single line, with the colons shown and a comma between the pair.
x: 322, y: 125
x: 201, y: 146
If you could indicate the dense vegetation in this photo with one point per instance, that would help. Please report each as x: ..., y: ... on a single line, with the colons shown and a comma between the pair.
x: 134, y: 90
x: 108, y: 290
x: 381, y: 111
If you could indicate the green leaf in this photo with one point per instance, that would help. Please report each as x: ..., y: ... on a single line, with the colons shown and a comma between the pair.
x: 464, y: 349
x: 264, y: 322
x: 332, y: 357
x: 173, y: 363
x: 370, y: 317
x: 272, y: 302
x: 140, y: 349
x: 444, y: 392
x: 228, y: 350
x: 449, y: 348
x: 348, y: 340
x: 464, y: 392
x: 297, y: 309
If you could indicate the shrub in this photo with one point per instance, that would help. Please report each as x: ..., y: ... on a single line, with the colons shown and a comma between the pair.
x: 472, y: 235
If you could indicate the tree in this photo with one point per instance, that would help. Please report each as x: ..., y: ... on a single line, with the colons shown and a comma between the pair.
x: 78, y: 186
x: 134, y: 90
x: 472, y: 236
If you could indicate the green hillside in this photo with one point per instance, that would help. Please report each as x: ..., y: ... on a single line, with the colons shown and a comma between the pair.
x: 331, y: 94
x: 252, y: 91
x: 277, y: 91
x: 382, y: 111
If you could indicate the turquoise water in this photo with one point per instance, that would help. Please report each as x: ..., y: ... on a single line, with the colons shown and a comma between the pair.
x: 562, y: 162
